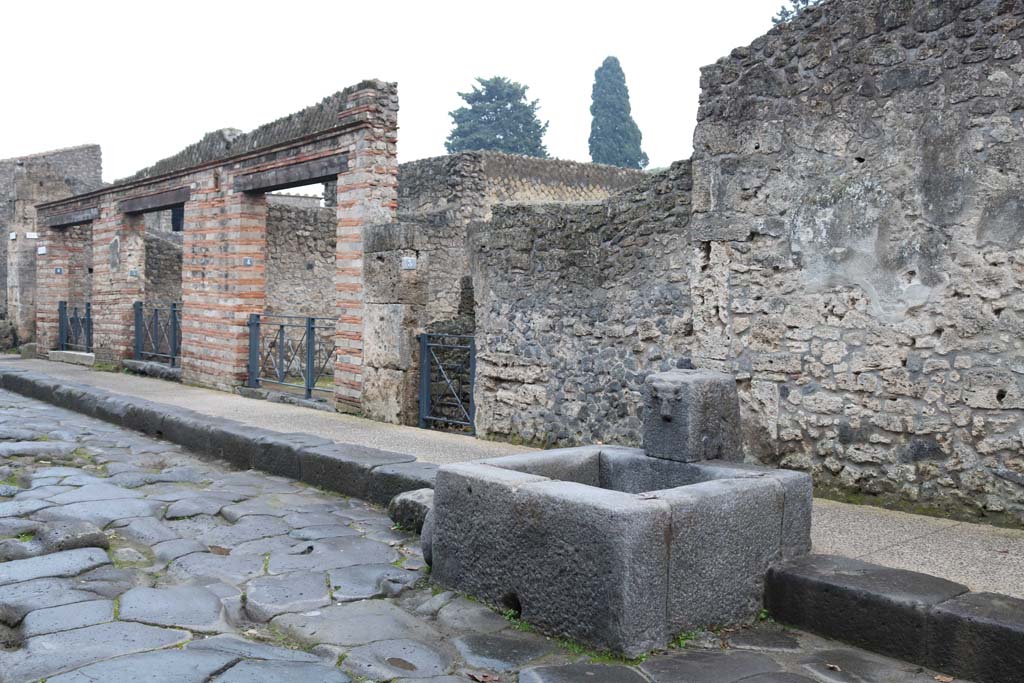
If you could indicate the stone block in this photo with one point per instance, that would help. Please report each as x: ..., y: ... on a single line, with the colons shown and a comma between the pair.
x: 692, y: 415
x: 630, y: 470
x: 236, y: 443
x: 187, y: 428
x: 878, y: 608
x: 388, y: 336
x: 581, y: 465
x: 725, y: 534
x: 73, y: 357
x: 978, y: 636
x: 387, y: 481
x: 278, y: 453
x: 345, y: 468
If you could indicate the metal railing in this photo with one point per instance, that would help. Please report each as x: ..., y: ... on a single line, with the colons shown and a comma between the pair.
x: 447, y: 374
x: 158, y: 333
x: 292, y: 351
x: 74, y: 327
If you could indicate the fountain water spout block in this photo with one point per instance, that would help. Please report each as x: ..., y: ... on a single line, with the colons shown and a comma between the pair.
x: 692, y: 416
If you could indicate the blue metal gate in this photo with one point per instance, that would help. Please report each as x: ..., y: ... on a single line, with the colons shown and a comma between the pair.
x: 292, y: 351
x: 158, y: 333
x: 447, y: 374
x: 74, y: 327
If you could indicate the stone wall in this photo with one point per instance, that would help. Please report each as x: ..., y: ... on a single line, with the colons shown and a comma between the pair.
x: 25, y: 182
x: 575, y: 305
x: 300, y: 259
x: 438, y: 199
x: 854, y: 258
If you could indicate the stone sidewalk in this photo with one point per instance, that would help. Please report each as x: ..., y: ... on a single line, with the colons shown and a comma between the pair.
x: 125, y: 558
x: 982, y: 557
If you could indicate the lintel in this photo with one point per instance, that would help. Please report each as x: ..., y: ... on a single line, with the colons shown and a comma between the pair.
x: 306, y: 173
x: 70, y: 218
x: 156, y: 202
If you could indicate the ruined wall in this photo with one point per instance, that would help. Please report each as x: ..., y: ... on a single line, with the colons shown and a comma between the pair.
x: 300, y: 259
x: 438, y: 199
x: 575, y: 306
x: 25, y: 182
x: 855, y: 255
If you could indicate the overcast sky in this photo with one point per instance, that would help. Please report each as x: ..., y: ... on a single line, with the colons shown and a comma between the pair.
x: 144, y: 79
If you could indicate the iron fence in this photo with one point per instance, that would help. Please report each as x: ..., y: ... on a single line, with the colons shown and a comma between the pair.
x: 74, y: 327
x: 158, y: 333
x: 447, y: 374
x: 292, y: 351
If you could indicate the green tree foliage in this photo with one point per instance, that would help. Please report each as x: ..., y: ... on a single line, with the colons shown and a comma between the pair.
x: 497, y: 117
x: 614, y: 136
x: 789, y: 13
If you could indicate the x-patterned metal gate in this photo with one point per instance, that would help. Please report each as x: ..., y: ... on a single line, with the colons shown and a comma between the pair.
x: 447, y: 373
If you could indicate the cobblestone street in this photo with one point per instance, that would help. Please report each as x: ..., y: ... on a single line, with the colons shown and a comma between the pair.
x: 124, y: 558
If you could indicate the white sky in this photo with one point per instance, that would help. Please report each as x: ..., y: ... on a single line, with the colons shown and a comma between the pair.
x: 144, y: 79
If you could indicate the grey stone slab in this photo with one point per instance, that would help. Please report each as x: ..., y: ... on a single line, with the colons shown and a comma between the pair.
x: 18, y: 599
x: 232, y: 569
x: 345, y: 468
x: 144, y: 530
x: 245, y: 529
x: 66, y: 617
x: 262, y: 546
x: 708, y: 666
x: 692, y: 415
x: 16, y: 508
x: 254, y: 507
x: 37, y: 449
x: 168, y: 551
x: 110, y: 581
x: 45, y: 656
x: 355, y: 624
x: 581, y: 673
x: 848, y: 665
x: 14, y: 549
x: 765, y: 641
x: 8, y: 491
x: 164, y: 666
x: 365, y: 581
x: 189, y: 607
x: 581, y: 465
x: 979, y: 636
x: 409, y: 508
x: 236, y: 646
x: 725, y: 534
x: 316, y: 533
x: 101, y: 512
x: 278, y: 453
x: 62, y: 564
x: 88, y: 492
x: 433, y: 605
x: 58, y: 536
x: 387, y: 481
x: 466, y: 615
x: 195, y: 505
x: 331, y: 553
x: 875, y: 607
x: 300, y: 520
x: 779, y: 678
x: 281, y: 672
x: 502, y: 652
x: 386, y: 660
x: 269, y: 596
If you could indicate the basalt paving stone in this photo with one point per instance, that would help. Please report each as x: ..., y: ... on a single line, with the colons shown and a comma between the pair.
x: 58, y: 536
x: 356, y: 624
x: 365, y: 581
x: 502, y: 652
x: 708, y: 666
x: 42, y: 492
x: 18, y: 599
x: 164, y: 666
x: 145, y: 530
x: 236, y: 512
x: 15, y: 508
x: 190, y: 607
x: 13, y: 526
x: 386, y: 660
x: 281, y: 672
x: 331, y: 553
x: 245, y: 529
x: 847, y: 665
x: 465, y: 615
x: 110, y: 581
x: 262, y: 546
x: 315, y: 533
x: 44, y: 656
x: 101, y: 512
x: 92, y: 491
x: 248, y: 649
x: 66, y: 617
x: 778, y: 678
x: 766, y: 641
x: 233, y: 569
x: 269, y: 596
x: 195, y: 526
x: 62, y: 564
x: 168, y: 551
x: 8, y: 491
x: 196, y: 505
x: 581, y: 673
x: 37, y: 449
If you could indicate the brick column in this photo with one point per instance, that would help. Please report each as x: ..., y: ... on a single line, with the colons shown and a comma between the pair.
x: 118, y: 280
x: 52, y: 287
x: 367, y: 194
x: 218, y: 289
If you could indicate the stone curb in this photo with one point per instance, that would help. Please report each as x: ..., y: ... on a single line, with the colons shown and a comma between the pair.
x: 351, y: 470
x: 907, y: 615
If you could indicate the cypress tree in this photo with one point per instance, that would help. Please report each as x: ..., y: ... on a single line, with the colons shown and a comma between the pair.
x: 498, y: 117
x: 614, y: 136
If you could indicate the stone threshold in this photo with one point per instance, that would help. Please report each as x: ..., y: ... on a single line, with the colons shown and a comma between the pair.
x: 73, y: 357
x: 351, y: 470
x: 908, y: 615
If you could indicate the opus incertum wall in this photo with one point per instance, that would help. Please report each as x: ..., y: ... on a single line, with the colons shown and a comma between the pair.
x: 620, y: 548
x: 349, y: 138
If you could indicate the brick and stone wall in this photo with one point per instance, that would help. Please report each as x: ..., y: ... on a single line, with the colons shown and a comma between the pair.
x: 438, y: 199
x: 24, y: 182
x: 301, y: 244
x: 853, y: 257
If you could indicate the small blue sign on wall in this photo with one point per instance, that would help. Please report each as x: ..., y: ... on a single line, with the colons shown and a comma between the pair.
x: 58, y: 270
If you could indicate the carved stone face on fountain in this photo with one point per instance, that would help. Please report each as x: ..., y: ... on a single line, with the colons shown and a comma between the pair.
x: 692, y: 415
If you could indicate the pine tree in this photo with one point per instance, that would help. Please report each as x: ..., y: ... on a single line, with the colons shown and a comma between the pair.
x: 789, y: 13
x: 614, y: 136
x: 498, y: 117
